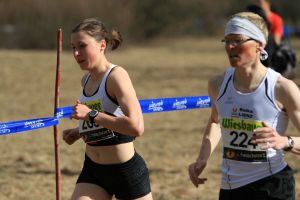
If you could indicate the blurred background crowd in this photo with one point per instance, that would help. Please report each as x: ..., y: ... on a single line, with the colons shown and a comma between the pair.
x: 32, y: 24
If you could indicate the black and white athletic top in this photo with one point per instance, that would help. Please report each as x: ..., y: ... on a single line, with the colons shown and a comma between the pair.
x: 94, y: 134
x: 240, y: 113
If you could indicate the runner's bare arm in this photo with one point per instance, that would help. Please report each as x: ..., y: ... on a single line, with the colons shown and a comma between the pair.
x: 212, y: 132
x: 120, y: 88
x: 288, y: 94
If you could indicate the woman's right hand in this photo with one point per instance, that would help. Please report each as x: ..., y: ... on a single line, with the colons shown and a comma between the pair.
x: 71, y: 135
x: 195, y: 169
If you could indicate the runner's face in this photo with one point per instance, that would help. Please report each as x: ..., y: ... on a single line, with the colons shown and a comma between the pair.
x: 86, y: 50
x: 241, y: 50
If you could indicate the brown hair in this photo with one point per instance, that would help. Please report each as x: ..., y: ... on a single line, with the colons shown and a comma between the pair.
x: 97, y: 30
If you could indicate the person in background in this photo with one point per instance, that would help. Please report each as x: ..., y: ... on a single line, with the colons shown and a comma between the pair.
x: 251, y: 106
x: 110, y: 118
x: 281, y: 58
x: 275, y: 20
x: 271, y: 45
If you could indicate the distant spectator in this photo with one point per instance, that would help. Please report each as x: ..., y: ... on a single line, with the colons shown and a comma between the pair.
x: 271, y: 44
x: 275, y: 20
x: 281, y: 57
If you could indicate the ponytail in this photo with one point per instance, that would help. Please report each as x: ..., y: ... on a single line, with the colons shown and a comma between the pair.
x: 115, y: 39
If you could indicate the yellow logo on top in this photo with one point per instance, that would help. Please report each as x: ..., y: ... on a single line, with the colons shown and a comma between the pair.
x: 241, y: 124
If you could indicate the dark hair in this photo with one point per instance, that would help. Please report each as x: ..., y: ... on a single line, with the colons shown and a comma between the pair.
x: 97, y: 30
x: 258, y: 10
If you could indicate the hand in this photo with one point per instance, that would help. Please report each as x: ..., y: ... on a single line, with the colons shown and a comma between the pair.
x: 71, y: 135
x: 268, y: 138
x: 195, y: 169
x: 80, y: 111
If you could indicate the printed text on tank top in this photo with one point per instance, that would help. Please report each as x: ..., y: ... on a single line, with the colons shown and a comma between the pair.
x: 237, y: 138
x: 92, y: 132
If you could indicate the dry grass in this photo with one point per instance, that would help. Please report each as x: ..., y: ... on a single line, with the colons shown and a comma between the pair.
x: 171, y: 140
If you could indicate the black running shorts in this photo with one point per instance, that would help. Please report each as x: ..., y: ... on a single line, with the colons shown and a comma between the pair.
x: 279, y: 186
x: 129, y: 180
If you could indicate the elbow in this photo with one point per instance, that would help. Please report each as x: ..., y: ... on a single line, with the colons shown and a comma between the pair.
x: 138, y: 129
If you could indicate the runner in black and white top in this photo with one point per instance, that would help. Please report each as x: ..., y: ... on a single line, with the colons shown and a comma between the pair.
x: 251, y: 105
x: 239, y: 114
x: 95, y: 134
x: 110, y: 118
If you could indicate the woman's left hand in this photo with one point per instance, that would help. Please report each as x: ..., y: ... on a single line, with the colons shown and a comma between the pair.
x: 80, y: 111
x: 268, y: 138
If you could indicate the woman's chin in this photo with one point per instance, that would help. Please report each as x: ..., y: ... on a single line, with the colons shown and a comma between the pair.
x: 83, y: 67
x: 233, y: 63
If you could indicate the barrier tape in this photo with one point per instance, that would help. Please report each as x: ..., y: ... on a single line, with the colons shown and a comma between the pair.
x: 147, y: 106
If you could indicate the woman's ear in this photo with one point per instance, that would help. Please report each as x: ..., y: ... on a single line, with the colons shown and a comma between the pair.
x: 260, y: 46
x: 102, y: 45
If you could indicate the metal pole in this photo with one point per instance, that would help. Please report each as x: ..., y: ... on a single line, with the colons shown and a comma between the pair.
x: 56, y: 105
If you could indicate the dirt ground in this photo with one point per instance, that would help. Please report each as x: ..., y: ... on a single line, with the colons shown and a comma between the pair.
x: 165, y: 68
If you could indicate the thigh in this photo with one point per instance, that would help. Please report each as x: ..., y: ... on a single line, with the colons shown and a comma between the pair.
x: 133, y: 180
x: 88, y: 191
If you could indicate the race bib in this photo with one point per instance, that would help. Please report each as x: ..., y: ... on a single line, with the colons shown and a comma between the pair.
x: 237, y: 137
x: 92, y: 132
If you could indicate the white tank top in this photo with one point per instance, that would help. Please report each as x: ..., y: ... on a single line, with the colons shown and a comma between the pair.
x: 103, y: 103
x: 240, y: 113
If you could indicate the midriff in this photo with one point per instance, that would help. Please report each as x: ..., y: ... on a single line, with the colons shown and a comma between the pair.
x: 113, y: 154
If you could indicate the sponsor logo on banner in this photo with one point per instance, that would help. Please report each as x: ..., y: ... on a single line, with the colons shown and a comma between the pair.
x: 60, y: 114
x: 179, y: 105
x: 34, y: 124
x: 203, y: 102
x: 156, y: 107
x: 2, y: 126
x: 2, y: 131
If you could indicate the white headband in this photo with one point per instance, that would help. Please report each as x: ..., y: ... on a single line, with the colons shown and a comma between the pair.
x: 242, y: 26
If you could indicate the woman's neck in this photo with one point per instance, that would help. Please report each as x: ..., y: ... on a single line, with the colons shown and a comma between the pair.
x: 248, y: 80
x: 100, y: 69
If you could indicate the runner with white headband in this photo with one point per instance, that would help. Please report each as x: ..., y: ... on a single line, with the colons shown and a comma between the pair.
x: 251, y: 106
x: 242, y: 26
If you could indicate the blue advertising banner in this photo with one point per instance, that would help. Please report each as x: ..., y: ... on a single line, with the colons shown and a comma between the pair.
x: 147, y: 105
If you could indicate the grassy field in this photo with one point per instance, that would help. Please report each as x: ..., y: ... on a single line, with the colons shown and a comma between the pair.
x: 165, y: 68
